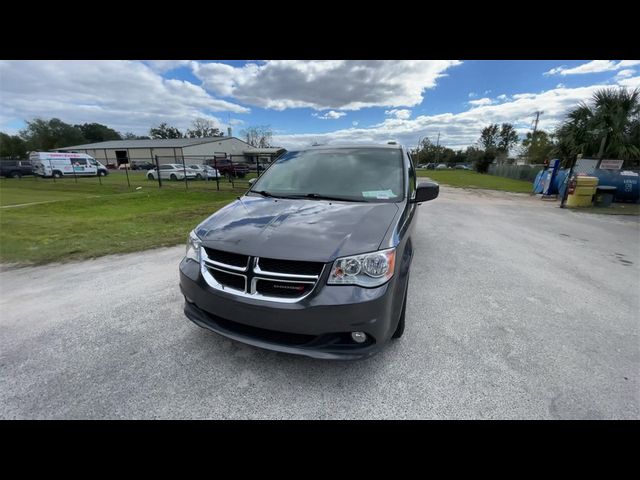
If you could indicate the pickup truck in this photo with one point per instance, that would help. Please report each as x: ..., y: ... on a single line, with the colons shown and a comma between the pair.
x: 229, y: 169
x: 15, y: 168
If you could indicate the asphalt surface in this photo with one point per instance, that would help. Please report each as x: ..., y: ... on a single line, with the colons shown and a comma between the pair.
x: 517, y: 309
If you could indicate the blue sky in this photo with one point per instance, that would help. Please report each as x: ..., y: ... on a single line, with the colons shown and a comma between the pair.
x: 308, y: 101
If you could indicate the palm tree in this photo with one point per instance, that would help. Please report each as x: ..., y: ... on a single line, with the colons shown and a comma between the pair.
x: 607, y: 127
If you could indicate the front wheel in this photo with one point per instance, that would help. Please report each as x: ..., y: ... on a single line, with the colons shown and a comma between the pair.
x: 16, y: 175
x: 173, y: 177
x: 150, y: 176
x: 400, y: 328
x: 57, y: 174
x: 198, y: 177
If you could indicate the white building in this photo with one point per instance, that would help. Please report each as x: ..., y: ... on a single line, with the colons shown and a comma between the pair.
x: 173, y: 150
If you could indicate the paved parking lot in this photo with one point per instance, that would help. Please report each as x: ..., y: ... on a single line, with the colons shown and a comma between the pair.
x: 517, y: 309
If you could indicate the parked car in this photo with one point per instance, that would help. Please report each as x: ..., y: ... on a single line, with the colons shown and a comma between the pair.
x: 431, y: 166
x: 142, y: 166
x: 60, y: 164
x: 441, y: 166
x: 15, y: 168
x: 314, y: 258
x: 462, y: 167
x: 172, y: 171
x: 206, y: 172
x: 230, y: 169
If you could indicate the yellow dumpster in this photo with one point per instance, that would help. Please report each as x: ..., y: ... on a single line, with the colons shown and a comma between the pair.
x: 581, y: 191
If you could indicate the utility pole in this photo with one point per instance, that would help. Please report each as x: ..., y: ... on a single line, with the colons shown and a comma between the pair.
x: 535, y: 125
x: 533, y: 134
x: 438, y: 149
x: 418, y: 150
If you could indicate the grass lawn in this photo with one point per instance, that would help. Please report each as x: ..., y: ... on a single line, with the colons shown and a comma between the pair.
x: 470, y: 179
x: 87, y: 220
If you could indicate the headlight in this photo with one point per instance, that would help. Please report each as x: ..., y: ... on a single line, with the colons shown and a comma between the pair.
x: 193, y: 247
x: 367, y: 270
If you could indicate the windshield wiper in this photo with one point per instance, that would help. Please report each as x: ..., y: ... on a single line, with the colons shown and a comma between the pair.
x: 264, y: 193
x: 318, y: 196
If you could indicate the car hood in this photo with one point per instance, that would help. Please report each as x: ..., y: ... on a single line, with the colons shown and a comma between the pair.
x: 312, y: 230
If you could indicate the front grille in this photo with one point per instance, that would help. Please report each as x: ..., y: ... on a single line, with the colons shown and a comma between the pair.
x: 230, y: 280
x: 272, y: 288
x: 291, y: 267
x: 227, y: 258
x: 266, y: 278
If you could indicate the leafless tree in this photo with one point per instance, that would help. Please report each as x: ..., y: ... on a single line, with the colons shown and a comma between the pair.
x: 202, y: 127
x: 258, y: 136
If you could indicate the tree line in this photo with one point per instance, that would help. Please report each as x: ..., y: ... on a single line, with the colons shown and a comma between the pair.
x: 42, y: 135
x: 608, y: 126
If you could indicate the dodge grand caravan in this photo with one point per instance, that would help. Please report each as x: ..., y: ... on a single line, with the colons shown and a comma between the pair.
x: 314, y: 258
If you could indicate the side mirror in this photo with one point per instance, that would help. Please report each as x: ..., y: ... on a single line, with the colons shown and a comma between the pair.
x: 426, y: 191
x: 252, y: 181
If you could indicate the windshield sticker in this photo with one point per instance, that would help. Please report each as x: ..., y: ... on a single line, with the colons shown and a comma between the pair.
x: 379, y: 194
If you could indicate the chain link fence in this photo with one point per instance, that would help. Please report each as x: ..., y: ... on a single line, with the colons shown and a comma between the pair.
x: 191, y: 172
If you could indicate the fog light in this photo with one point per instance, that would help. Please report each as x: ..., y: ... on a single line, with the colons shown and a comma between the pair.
x: 359, y: 337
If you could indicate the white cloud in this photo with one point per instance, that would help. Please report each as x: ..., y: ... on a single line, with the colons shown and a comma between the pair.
x: 594, y: 66
x: 627, y: 72
x: 472, y: 94
x: 502, y: 97
x: 560, y: 85
x: 163, y: 66
x: 628, y: 63
x: 355, y: 123
x: 401, y: 113
x: 324, y: 84
x: 461, y: 129
x: 481, y: 102
x: 126, y: 95
x: 631, y: 82
x: 330, y: 115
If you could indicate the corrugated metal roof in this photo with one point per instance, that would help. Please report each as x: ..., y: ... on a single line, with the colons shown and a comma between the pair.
x: 153, y: 143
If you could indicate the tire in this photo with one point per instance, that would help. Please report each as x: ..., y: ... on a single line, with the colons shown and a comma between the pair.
x: 150, y: 176
x: 15, y: 175
x: 198, y: 177
x: 57, y: 174
x: 173, y: 177
x: 400, y: 328
x: 101, y: 173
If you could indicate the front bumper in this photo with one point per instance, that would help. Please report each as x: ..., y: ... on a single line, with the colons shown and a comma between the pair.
x: 318, y: 326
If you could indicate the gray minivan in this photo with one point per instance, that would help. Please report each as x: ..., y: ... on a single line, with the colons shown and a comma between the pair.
x: 314, y: 258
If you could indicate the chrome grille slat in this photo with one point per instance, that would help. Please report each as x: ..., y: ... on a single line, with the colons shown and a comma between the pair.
x: 252, y: 273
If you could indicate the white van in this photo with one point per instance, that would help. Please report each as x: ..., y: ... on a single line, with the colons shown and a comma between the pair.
x: 52, y: 164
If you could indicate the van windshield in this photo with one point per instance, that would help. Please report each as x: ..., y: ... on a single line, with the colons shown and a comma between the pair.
x: 353, y: 174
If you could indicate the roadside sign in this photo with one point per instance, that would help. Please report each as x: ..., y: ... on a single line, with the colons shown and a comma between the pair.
x: 611, y: 164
